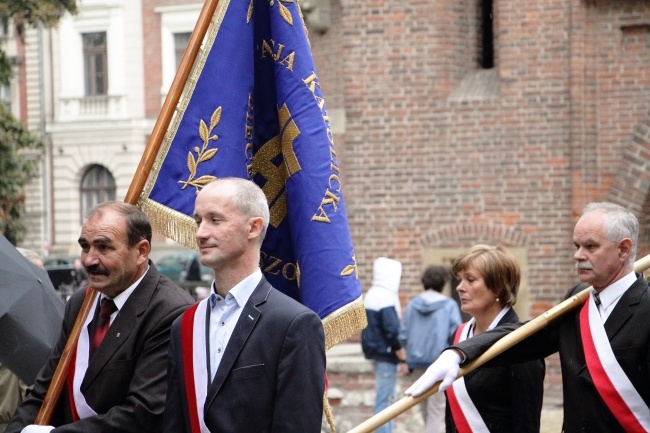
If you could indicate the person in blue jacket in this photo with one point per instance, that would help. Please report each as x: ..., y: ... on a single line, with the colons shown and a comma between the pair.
x: 427, y: 329
x: 380, y: 339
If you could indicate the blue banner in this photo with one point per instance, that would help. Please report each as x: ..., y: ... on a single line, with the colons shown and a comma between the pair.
x: 254, y: 108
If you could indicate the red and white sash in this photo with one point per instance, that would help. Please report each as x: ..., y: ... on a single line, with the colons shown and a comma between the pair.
x: 78, y: 406
x: 610, y: 380
x: 466, y: 417
x: 193, y: 348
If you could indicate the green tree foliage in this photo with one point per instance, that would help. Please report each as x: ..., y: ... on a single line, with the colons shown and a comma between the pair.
x: 15, y: 141
x: 30, y: 12
x: 16, y: 171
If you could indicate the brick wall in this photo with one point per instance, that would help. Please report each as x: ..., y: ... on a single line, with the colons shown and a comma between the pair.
x: 432, y: 144
x: 418, y: 155
x: 152, y: 52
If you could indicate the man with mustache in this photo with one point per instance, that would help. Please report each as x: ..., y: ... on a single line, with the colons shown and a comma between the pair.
x: 604, y: 346
x: 117, y: 379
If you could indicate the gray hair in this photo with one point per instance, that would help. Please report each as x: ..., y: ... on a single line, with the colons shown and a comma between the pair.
x: 249, y: 200
x: 619, y: 223
x: 32, y: 256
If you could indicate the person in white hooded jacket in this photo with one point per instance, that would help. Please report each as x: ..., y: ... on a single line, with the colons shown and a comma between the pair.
x: 380, y: 339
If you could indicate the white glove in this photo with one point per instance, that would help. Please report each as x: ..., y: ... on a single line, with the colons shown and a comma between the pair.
x: 444, y: 369
x: 33, y: 428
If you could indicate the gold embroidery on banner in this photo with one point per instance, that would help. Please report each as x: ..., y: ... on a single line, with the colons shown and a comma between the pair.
x: 249, y: 14
x: 330, y: 199
x: 290, y: 133
x: 285, y: 13
x: 184, y: 101
x: 203, y: 154
x: 304, y: 24
x: 272, y: 265
x: 332, y: 195
x: 248, y: 150
x: 276, y: 175
x: 287, y: 61
x: 350, y: 269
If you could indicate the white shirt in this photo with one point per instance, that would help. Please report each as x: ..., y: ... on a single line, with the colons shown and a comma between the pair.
x: 611, y: 294
x: 224, y: 315
x: 120, y: 299
x: 495, y: 322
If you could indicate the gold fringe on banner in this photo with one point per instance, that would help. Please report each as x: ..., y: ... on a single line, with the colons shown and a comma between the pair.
x: 338, y: 326
x: 344, y: 322
x: 170, y: 223
x: 162, y: 212
x: 327, y: 409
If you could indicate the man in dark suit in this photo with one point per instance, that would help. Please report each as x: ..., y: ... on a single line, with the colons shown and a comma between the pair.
x: 121, y: 385
x: 604, y: 346
x: 247, y: 359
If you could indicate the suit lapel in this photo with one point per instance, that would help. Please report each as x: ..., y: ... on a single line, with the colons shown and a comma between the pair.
x: 625, y: 308
x: 122, y: 326
x: 243, y: 329
x: 509, y: 317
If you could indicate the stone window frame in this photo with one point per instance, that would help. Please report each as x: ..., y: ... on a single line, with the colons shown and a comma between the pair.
x: 442, y: 246
x: 97, y: 186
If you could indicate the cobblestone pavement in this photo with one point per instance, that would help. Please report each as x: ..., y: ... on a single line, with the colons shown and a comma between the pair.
x: 356, y: 396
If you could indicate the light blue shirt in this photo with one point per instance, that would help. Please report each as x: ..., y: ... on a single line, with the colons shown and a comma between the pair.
x: 224, y: 315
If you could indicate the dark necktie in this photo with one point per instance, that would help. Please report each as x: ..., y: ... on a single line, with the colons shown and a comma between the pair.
x: 597, y: 300
x: 108, y: 307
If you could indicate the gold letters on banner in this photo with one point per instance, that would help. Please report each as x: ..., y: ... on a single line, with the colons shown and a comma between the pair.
x: 203, y: 154
x: 276, y: 175
x: 248, y: 151
x: 275, y: 52
x: 276, y: 266
x: 332, y: 194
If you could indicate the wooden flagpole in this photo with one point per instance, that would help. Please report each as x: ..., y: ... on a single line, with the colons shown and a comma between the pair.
x: 58, y: 380
x: 171, y: 101
x: 496, y: 349
x: 135, y: 189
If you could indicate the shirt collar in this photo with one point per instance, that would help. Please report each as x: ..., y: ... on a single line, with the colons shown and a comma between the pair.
x: 120, y: 299
x: 614, y: 291
x: 243, y: 290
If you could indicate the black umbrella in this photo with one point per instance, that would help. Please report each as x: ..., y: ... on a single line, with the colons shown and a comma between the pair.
x: 31, y: 313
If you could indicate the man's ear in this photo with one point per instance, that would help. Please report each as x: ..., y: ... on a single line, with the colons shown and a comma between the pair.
x: 257, y: 224
x: 625, y: 248
x: 144, y: 248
